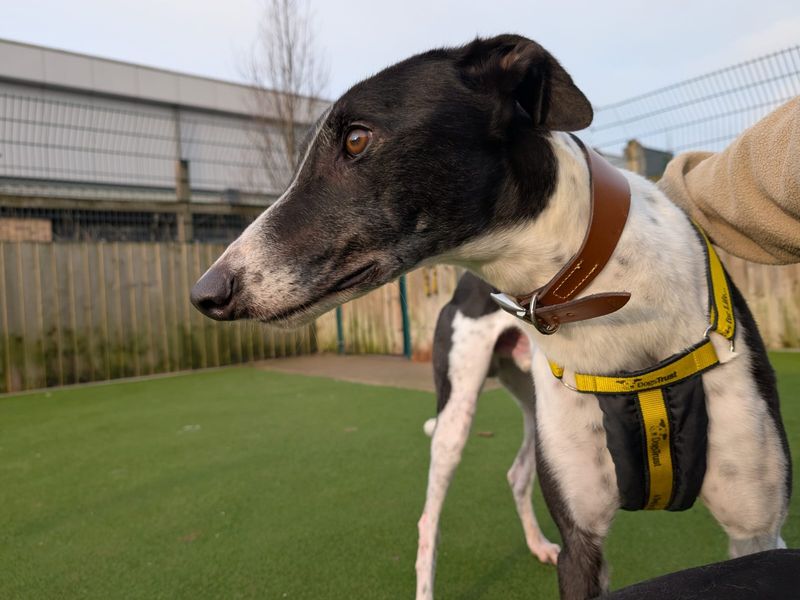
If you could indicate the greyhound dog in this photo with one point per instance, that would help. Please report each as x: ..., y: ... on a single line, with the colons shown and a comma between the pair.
x: 459, y: 155
x: 474, y: 340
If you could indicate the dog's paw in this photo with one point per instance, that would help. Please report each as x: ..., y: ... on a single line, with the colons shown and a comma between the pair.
x: 429, y: 426
x: 546, y: 551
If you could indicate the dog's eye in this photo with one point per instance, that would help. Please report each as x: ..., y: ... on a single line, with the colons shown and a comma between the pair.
x: 357, y: 141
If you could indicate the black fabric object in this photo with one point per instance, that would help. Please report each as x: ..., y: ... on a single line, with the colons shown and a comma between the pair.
x: 626, y: 440
x: 688, y: 422
x: 770, y: 575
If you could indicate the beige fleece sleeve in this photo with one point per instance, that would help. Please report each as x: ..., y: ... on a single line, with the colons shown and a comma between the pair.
x: 747, y: 197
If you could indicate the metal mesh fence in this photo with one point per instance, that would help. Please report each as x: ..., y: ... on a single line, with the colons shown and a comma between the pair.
x: 65, y: 144
x: 214, y: 228
x: 702, y: 113
x: 73, y: 225
x: 59, y: 146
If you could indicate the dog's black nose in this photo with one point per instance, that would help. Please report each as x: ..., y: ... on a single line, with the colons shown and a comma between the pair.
x: 214, y: 293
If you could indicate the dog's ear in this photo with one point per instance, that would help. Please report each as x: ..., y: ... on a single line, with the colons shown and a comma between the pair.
x: 523, y: 71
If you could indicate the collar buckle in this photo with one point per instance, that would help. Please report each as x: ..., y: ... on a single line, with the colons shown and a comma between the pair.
x: 510, y: 305
x: 541, y: 326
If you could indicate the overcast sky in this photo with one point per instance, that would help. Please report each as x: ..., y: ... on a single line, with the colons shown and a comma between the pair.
x: 613, y: 49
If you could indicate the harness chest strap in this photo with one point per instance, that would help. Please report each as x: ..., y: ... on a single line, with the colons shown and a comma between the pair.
x: 695, y: 360
x: 687, y: 364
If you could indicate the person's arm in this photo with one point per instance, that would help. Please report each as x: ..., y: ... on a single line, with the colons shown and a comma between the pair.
x: 747, y: 197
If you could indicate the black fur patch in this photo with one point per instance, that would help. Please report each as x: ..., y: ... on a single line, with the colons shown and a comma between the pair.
x: 471, y: 296
x: 763, y: 374
x: 442, y: 344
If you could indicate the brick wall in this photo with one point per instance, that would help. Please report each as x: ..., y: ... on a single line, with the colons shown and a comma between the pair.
x: 26, y: 230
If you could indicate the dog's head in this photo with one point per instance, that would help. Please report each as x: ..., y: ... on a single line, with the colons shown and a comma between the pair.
x: 407, y: 166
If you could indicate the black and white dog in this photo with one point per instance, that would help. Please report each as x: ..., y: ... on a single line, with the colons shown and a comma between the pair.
x: 474, y: 340
x: 456, y: 155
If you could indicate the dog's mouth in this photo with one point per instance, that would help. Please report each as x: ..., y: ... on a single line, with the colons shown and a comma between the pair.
x: 343, y: 289
x: 360, y: 275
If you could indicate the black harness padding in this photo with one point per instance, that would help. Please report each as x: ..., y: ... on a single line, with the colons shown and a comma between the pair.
x: 626, y: 439
x: 686, y: 406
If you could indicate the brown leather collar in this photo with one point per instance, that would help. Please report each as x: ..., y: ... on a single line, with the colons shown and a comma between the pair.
x: 555, y: 303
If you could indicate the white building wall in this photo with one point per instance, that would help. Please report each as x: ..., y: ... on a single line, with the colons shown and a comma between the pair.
x: 79, y: 126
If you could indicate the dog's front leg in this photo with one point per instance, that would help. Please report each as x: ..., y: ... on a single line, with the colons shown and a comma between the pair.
x: 578, y: 481
x: 582, y: 571
x: 449, y: 437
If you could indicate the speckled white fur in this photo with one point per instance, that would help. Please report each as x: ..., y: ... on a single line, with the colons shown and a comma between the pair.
x: 469, y: 360
x: 660, y: 260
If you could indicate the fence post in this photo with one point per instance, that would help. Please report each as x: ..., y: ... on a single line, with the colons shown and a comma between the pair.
x: 184, y: 196
x: 339, y: 331
x: 183, y: 191
x: 404, y: 315
x: 4, y: 310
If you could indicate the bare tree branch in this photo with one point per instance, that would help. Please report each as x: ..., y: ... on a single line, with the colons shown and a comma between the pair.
x: 288, y: 78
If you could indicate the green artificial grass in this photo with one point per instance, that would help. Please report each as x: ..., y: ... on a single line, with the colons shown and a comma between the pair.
x: 241, y: 483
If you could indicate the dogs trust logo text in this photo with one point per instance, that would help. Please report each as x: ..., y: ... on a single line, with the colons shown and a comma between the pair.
x: 641, y: 384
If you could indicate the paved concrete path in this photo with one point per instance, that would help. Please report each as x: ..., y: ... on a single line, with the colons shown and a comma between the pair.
x: 373, y: 369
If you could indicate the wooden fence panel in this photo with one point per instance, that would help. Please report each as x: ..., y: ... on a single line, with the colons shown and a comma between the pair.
x: 10, y: 377
x: 373, y: 324
x: 78, y: 312
x: 429, y: 289
x: 773, y: 293
x: 121, y: 366
x: 52, y: 337
x: 369, y: 327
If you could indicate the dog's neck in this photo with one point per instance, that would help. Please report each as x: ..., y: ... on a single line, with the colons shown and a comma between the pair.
x: 522, y: 258
x: 658, y: 259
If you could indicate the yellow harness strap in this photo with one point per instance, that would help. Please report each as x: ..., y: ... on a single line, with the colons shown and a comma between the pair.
x: 647, y: 385
x: 720, y: 304
x: 685, y: 365
x: 659, y: 456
